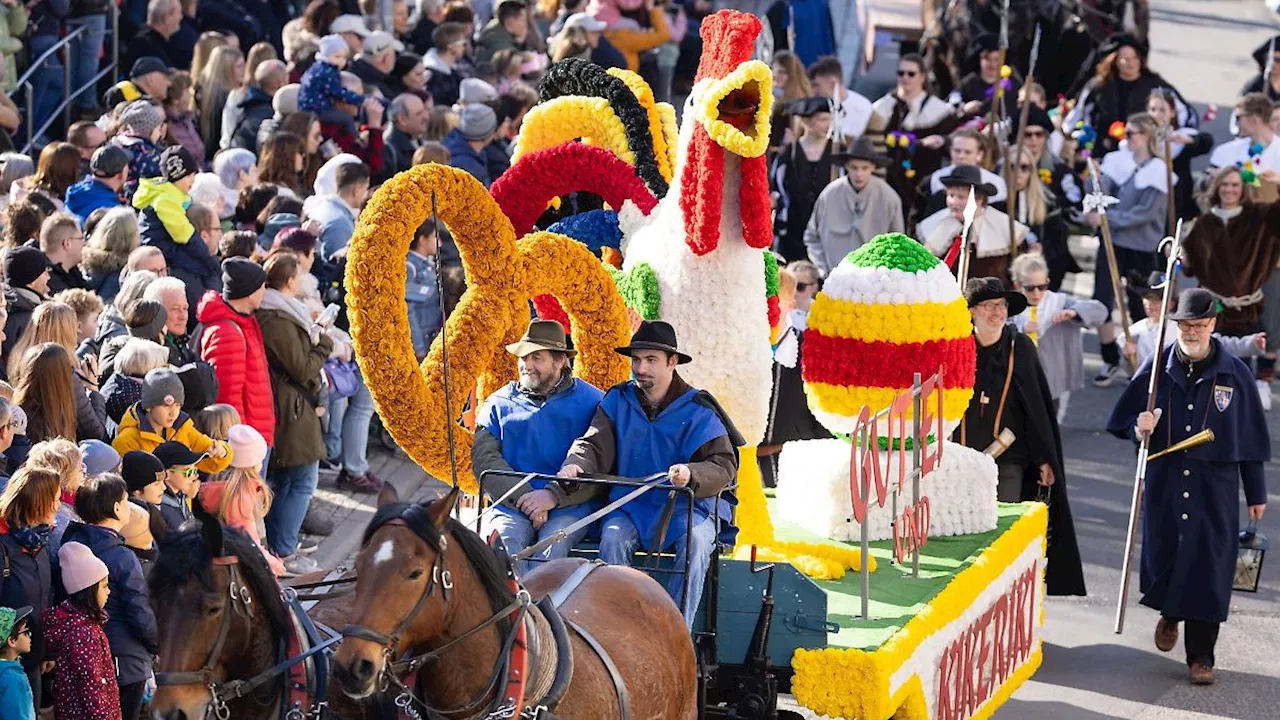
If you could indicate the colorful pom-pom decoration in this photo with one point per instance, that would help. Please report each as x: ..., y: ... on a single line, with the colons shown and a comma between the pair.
x: 1116, y: 131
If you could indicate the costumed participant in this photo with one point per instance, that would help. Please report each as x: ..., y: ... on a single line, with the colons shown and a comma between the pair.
x: 1119, y: 88
x: 1267, y: 81
x: 976, y: 93
x: 1144, y: 331
x: 1185, y: 143
x: 1233, y: 250
x: 800, y: 171
x: 1053, y: 170
x: 1135, y: 176
x: 1038, y: 208
x: 1011, y: 418
x: 1257, y: 150
x: 853, y: 209
x: 989, y: 236
x: 1191, y: 505
x: 914, y: 123
x: 528, y: 426
x: 656, y: 423
x: 967, y: 147
x: 1055, y: 323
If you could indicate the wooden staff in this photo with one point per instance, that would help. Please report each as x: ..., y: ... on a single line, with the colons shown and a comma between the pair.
x: 1144, y: 448
x: 962, y: 263
x: 1011, y: 176
x: 1098, y: 201
x: 1168, y: 171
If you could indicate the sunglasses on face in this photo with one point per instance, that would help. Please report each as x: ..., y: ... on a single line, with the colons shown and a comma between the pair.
x: 1036, y: 288
x: 908, y: 73
x: 1025, y: 167
x: 1131, y: 133
x: 188, y: 473
x: 1034, y: 133
x: 801, y: 287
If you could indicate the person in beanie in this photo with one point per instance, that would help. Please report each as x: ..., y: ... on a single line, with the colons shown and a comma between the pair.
x: 322, y: 82
x: 1191, y: 507
x: 230, y: 339
x: 27, y: 271
x: 141, y: 127
x: 241, y: 500
x: 144, y: 476
x: 84, y: 677
x: 16, y: 701
x: 102, y: 502
x: 159, y: 418
x: 467, y: 142
x: 101, y: 188
x: 99, y: 458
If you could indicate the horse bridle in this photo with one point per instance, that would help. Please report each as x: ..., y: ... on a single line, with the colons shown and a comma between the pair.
x: 242, y: 605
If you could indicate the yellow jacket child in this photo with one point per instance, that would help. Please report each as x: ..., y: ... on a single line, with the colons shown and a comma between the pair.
x: 158, y: 417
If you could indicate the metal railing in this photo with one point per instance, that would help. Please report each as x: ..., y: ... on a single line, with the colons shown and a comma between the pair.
x: 24, y: 83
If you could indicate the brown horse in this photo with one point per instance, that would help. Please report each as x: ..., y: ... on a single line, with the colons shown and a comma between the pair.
x: 222, y: 620
x: 429, y: 586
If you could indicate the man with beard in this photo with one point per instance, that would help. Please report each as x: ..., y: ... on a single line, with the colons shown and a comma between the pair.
x: 657, y: 423
x: 1191, y: 504
x: 527, y: 427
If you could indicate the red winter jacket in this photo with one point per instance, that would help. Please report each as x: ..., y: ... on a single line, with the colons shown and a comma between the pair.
x: 84, y: 678
x: 232, y: 344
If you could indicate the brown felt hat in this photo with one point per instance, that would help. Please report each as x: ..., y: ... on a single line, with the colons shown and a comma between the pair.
x: 542, y: 335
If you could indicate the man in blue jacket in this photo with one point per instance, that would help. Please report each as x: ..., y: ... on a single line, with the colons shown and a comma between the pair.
x: 528, y: 427
x: 467, y: 142
x: 108, y: 172
x: 657, y: 423
x: 1191, y: 503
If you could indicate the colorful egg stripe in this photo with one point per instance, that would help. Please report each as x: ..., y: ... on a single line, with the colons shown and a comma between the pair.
x: 890, y: 286
x: 909, y: 323
x: 838, y: 406
x: 844, y: 361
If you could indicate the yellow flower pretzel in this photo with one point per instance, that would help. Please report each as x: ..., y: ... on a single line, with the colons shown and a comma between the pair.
x: 502, y: 275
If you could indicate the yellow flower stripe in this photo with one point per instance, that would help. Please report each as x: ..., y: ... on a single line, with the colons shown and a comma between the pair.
x: 569, y: 118
x: 502, y: 275
x: 852, y: 683
x: 670, y: 132
x: 847, y: 401
x: 755, y: 527
x: 884, y: 322
x: 644, y: 94
x: 753, y: 142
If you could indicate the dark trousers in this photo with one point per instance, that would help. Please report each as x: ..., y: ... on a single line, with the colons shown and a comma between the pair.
x: 131, y: 700
x: 1199, y: 638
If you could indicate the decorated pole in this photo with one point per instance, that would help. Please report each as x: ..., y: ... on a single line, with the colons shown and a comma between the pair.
x: 1168, y: 173
x: 917, y: 404
x: 1097, y: 201
x: 864, y: 437
x: 1140, y: 475
x: 444, y: 359
x: 1010, y: 172
x: 962, y: 264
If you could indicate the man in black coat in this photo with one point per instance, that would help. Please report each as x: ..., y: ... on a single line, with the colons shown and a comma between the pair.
x: 408, y: 116
x: 164, y: 17
x: 256, y: 107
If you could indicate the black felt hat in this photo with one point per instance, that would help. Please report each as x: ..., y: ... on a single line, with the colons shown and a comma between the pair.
x: 1195, y: 304
x: 978, y: 290
x: 1263, y: 53
x: 862, y: 149
x: 810, y: 106
x: 1124, y: 39
x: 969, y: 176
x: 655, y: 335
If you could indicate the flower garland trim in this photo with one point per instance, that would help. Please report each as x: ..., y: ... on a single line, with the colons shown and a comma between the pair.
x: 771, y: 293
x: 754, y: 140
x: 639, y: 289
x: 567, y: 119
x: 670, y: 133
x: 847, y: 361
x: 903, y: 323
x: 644, y: 94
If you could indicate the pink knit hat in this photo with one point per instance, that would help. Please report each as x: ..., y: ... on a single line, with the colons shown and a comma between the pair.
x: 80, y: 567
x: 248, y: 448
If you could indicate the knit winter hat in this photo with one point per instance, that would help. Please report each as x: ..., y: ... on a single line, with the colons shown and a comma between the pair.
x: 176, y: 162
x: 99, y: 457
x: 141, y: 117
x: 330, y: 46
x: 475, y: 90
x: 139, y: 469
x: 285, y: 101
x: 137, y: 527
x: 241, y: 277
x: 477, y: 122
x: 161, y: 386
x: 80, y: 568
x: 248, y: 447
x: 23, y: 264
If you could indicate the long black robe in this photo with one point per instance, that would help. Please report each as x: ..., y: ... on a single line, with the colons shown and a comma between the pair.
x: 1030, y: 390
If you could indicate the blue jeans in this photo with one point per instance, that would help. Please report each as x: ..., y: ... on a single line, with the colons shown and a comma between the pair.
x: 619, y: 541
x: 347, y: 431
x: 85, y: 57
x: 517, y: 533
x: 293, y: 487
x: 46, y: 82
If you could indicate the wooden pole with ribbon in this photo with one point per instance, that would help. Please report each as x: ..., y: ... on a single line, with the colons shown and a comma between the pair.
x: 1097, y: 201
x: 1010, y: 169
x: 1172, y: 219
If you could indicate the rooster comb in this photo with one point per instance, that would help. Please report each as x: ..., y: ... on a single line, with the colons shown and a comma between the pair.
x: 728, y: 40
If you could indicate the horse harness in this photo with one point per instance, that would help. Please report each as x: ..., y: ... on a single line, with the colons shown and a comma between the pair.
x: 514, y: 695
x: 303, y: 667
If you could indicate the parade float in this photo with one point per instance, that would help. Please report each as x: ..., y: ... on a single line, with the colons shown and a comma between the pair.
x: 899, y: 587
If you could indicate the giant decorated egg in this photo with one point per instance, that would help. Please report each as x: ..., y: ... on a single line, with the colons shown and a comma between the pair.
x: 888, y: 310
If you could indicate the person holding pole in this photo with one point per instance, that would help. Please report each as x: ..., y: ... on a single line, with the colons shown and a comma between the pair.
x: 1136, y: 178
x: 1191, y: 507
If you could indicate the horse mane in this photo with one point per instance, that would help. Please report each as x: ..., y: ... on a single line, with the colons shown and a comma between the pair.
x: 489, y: 563
x: 184, y: 556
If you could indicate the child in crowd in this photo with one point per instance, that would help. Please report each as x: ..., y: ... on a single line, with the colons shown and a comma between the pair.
x: 239, y: 497
x: 421, y: 293
x: 162, y: 202
x: 1055, y: 322
x: 103, y: 505
x: 181, y: 482
x: 144, y: 475
x: 217, y: 420
x: 99, y: 458
x: 808, y: 282
x: 322, y: 82
x: 16, y: 700
x: 88, y: 307
x: 138, y: 538
x: 158, y: 418
x: 84, y: 677
x: 1143, y: 332
x: 66, y: 459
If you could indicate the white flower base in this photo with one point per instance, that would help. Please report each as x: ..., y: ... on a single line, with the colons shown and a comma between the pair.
x: 813, y: 492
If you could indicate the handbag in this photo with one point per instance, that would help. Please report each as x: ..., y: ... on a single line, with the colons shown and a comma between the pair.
x: 344, y: 380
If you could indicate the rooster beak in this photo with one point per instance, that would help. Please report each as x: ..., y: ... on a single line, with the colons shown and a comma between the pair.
x: 737, y: 109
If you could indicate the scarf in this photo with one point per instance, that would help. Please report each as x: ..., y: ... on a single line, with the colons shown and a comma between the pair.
x: 1226, y: 214
x: 291, y: 308
x: 32, y: 538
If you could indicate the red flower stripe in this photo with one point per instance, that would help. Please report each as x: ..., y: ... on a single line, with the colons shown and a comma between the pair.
x: 753, y: 196
x: 775, y: 311
x: 548, y: 308
x: 701, y: 190
x: 524, y: 191
x: 844, y: 361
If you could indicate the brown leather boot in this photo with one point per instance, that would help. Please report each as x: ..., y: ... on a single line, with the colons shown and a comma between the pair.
x: 1166, y: 635
x: 1200, y: 674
